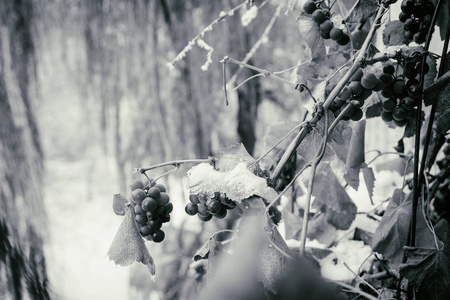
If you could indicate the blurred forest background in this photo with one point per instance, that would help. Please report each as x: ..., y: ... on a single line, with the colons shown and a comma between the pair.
x: 87, y: 95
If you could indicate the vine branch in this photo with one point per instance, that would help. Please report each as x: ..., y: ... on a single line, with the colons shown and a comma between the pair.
x: 175, y: 163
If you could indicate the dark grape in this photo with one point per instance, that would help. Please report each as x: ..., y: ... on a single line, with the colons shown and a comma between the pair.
x: 163, y: 199
x: 379, y: 86
x: 202, y: 210
x: 398, y: 113
x: 400, y: 123
x: 344, y: 40
x: 222, y: 213
x: 357, y: 75
x: 191, y: 209
x: 205, y: 218
x: 407, y: 6
x: 141, y: 219
x: 213, y: 206
x: 387, y: 92
x: 161, y: 188
x: 369, y: 80
x: 149, y: 204
x: 386, y: 116
x: 389, y: 105
x: 194, y: 199
x: 399, y: 87
x: 138, y: 210
x: 168, y: 208
x: 336, y: 34
x: 145, y: 230
x: 410, y: 73
x: 325, y: 35
x: 154, y: 192
x: 357, y: 114
x: 136, y: 184
x: 165, y: 218
x: 389, y: 69
x: 155, y: 224
x: 319, y: 16
x: 138, y: 195
x: 309, y: 7
x: 345, y: 94
x: 420, y: 37
x: 326, y: 26
x: 414, y: 91
x: 158, y: 236
x: 426, y: 68
x: 387, y: 79
x: 403, y: 17
x: 356, y: 87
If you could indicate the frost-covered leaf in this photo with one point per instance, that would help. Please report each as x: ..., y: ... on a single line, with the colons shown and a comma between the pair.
x: 428, y: 270
x: 119, y: 204
x: 330, y: 193
x: 369, y: 179
x: 439, y: 91
x: 238, y: 183
x: 230, y: 157
x: 361, y: 11
x: 375, y: 109
x: 392, y: 233
x: 394, y: 33
x: 310, y: 32
x: 128, y: 245
x: 355, y: 157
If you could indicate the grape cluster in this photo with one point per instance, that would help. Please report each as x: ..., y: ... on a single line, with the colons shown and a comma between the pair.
x: 359, y: 88
x: 152, y: 207
x: 402, y: 93
x: 322, y: 18
x: 416, y: 14
x: 206, y: 207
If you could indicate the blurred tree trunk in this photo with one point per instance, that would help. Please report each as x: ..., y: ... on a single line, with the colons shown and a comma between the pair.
x: 22, y: 214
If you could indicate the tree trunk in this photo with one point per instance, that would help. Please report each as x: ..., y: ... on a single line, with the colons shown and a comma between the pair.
x: 22, y: 214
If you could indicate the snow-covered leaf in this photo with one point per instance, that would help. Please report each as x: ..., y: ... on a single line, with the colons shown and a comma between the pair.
x: 355, y: 157
x: 369, y: 179
x: 394, y: 33
x: 361, y: 11
x: 310, y: 32
x: 428, y: 270
x: 238, y: 183
x: 119, y: 204
x: 128, y: 245
x: 439, y: 91
x: 392, y: 233
x: 230, y: 157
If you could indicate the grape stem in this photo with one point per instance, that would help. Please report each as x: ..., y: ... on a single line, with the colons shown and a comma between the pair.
x: 359, y: 60
x: 175, y: 163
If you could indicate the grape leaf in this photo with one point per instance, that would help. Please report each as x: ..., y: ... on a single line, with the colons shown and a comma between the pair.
x: 355, y: 157
x: 336, y: 145
x: 230, y: 157
x: 394, y: 33
x: 271, y: 264
x: 439, y: 91
x: 430, y: 77
x: 238, y: 183
x: 310, y: 32
x: 428, y: 270
x: 361, y: 11
x: 369, y: 179
x: 128, y: 245
x: 292, y: 224
x: 317, y: 90
x: 119, y: 204
x: 330, y: 193
x: 375, y: 109
x: 442, y: 19
x: 392, y: 233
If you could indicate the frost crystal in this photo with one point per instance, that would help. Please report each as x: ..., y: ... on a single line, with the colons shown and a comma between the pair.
x: 202, y: 44
x: 237, y: 184
x: 249, y: 15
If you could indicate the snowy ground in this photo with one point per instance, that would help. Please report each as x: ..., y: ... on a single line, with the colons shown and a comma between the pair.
x: 82, y: 225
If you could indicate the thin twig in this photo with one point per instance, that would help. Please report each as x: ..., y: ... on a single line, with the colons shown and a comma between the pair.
x: 354, y: 290
x: 417, y: 179
x: 258, y: 43
x: 248, y: 79
x: 262, y: 71
x: 192, y: 42
x: 224, y: 75
x: 174, y: 163
x: 277, y: 143
x: 360, y: 278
